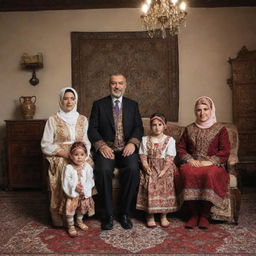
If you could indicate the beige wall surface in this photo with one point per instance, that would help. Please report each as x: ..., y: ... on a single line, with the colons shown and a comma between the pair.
x: 210, y: 37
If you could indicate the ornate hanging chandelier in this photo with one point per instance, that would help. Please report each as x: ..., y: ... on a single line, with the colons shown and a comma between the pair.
x: 162, y: 15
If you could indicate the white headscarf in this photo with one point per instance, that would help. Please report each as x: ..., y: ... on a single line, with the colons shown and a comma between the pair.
x: 212, y: 120
x: 71, y: 116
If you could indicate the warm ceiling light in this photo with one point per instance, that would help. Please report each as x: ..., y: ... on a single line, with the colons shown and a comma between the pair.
x: 161, y: 15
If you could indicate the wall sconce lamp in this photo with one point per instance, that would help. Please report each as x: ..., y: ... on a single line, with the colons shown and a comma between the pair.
x: 32, y: 63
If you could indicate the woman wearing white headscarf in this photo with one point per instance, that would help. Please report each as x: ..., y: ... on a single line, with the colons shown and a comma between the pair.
x: 61, y: 131
x: 203, y: 149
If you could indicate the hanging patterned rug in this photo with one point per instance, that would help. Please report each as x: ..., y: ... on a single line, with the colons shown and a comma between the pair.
x: 25, y: 229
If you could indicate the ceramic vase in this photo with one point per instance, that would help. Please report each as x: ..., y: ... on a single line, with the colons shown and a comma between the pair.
x: 28, y: 106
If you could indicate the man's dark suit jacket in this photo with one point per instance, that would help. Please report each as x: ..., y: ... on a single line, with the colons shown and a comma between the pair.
x: 101, y: 125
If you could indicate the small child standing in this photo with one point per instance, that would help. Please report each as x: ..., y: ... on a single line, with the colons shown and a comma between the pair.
x: 156, y: 190
x: 77, y: 184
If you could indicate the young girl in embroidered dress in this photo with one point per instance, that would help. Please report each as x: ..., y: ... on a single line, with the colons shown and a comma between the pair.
x: 156, y: 190
x: 77, y: 184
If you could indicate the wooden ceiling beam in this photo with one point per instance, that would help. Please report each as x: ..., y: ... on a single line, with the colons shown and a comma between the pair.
x: 40, y: 5
x: 221, y: 3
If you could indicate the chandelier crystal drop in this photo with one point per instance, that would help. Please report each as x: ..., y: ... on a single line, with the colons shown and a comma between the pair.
x: 162, y: 15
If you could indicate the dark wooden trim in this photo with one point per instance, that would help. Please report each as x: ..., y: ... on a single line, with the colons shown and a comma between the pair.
x: 220, y: 3
x: 41, y: 5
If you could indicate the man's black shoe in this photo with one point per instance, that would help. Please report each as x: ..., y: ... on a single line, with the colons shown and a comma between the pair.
x: 107, y: 223
x: 125, y: 222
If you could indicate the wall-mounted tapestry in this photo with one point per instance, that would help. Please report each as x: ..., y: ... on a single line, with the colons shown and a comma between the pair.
x: 150, y: 66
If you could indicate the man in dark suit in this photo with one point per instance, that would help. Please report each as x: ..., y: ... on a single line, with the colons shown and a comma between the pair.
x: 115, y: 131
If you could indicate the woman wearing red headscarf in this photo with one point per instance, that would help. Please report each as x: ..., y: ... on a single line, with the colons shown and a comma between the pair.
x: 203, y: 149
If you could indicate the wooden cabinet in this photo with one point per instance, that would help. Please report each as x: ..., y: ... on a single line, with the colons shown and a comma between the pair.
x: 243, y: 84
x: 24, y: 157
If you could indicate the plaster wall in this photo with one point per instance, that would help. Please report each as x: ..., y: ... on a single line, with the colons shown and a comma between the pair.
x: 210, y: 37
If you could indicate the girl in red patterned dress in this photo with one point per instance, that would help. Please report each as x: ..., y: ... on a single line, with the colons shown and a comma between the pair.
x: 156, y: 190
x: 203, y: 149
x: 77, y: 184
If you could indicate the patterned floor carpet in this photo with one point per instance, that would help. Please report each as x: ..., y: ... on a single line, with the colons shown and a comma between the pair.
x: 25, y: 230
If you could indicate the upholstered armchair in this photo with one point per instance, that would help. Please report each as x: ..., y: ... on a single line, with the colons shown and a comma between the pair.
x: 234, y: 182
x: 231, y: 213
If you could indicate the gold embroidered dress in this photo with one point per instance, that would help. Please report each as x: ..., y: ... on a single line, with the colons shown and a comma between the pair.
x: 157, y: 195
x: 60, y: 132
x: 62, y: 140
x: 209, y: 183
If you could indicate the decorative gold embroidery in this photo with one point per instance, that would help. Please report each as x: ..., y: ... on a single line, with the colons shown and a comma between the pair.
x: 99, y: 144
x: 62, y: 132
x: 202, y: 138
x: 134, y: 141
x: 201, y: 194
x: 155, y: 149
x: 118, y: 144
x: 80, y: 124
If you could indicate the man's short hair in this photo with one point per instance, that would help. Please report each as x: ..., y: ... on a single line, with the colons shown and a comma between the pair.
x: 117, y: 74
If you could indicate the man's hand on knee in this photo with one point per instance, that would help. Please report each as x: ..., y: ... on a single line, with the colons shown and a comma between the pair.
x: 128, y: 149
x: 107, y: 152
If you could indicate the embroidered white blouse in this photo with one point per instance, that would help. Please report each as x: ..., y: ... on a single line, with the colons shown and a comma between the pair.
x: 70, y: 181
x: 50, y: 146
x: 169, y: 150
